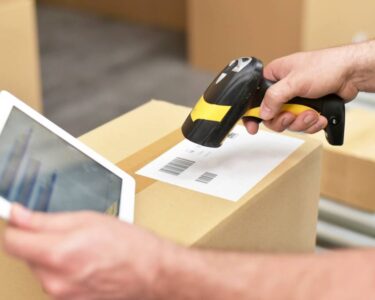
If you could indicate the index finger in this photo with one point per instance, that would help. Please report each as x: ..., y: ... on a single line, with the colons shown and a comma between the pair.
x: 35, y: 221
x: 29, y: 246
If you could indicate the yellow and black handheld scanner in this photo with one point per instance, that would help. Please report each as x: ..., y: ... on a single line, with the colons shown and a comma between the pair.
x: 237, y: 92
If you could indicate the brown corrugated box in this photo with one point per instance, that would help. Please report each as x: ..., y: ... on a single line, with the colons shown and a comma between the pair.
x: 278, y: 215
x: 19, y: 58
x: 348, y: 172
x: 220, y: 30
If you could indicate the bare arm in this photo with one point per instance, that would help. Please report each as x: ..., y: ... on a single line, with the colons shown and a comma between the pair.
x: 91, y: 256
x: 214, y: 275
x: 343, y: 70
x: 363, y: 75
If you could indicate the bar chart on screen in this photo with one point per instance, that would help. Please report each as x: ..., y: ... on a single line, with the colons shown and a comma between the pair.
x: 21, y: 176
x: 43, y: 172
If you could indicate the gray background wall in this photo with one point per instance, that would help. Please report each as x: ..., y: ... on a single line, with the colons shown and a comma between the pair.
x: 95, y: 69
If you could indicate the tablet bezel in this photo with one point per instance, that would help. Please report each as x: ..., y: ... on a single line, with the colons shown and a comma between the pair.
x: 126, y: 209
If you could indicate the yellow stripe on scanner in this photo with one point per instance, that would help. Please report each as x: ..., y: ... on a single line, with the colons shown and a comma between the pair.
x: 214, y: 112
x: 295, y: 109
x: 208, y: 111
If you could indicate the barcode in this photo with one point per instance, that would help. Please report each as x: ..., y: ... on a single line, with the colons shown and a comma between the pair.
x: 232, y: 135
x: 177, y: 166
x: 206, y: 177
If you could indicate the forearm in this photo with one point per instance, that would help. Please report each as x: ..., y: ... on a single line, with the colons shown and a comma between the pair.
x: 194, y: 274
x: 363, y: 66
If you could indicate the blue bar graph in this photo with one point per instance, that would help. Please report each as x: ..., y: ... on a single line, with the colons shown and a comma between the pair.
x: 43, y: 172
x: 28, y: 182
x: 45, y: 193
x: 15, y: 158
x: 22, y: 180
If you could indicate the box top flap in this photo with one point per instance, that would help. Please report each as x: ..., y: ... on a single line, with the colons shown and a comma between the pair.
x: 136, y: 129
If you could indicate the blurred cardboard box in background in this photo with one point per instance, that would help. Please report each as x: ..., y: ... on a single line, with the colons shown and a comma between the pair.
x: 348, y: 172
x: 169, y: 14
x: 19, y: 58
x: 221, y: 30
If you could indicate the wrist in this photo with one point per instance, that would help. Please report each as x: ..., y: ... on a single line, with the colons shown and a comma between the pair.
x: 171, y: 258
x: 363, y: 66
x: 185, y: 273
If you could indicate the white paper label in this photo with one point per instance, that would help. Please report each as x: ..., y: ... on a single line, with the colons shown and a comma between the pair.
x: 227, y: 172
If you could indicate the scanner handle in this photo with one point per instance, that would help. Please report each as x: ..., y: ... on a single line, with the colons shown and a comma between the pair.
x: 332, y: 107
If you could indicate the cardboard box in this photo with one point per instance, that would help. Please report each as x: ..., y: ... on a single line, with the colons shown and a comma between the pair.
x: 19, y: 58
x: 335, y: 22
x: 348, y: 172
x: 170, y: 14
x: 278, y: 215
x: 221, y: 30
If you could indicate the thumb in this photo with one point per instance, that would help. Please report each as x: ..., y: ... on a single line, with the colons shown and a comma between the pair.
x: 277, y: 95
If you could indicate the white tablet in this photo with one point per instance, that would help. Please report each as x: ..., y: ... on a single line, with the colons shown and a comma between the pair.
x: 46, y: 169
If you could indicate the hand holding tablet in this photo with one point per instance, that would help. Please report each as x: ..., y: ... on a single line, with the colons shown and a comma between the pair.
x: 45, y: 169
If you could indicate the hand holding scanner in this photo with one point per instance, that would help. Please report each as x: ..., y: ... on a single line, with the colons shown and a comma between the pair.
x: 237, y: 92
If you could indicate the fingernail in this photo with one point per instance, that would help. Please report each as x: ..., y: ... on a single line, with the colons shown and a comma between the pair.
x: 309, y: 119
x: 265, y: 112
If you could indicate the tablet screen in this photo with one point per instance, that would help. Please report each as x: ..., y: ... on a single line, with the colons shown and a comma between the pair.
x: 44, y: 173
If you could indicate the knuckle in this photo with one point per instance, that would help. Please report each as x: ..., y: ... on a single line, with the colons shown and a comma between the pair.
x: 291, y: 89
x: 273, y: 127
x: 302, y: 89
x: 348, y: 92
x: 273, y: 95
x: 296, y: 126
x: 276, y: 124
x: 54, y: 288
x: 289, y: 83
x: 278, y: 128
x: 55, y: 258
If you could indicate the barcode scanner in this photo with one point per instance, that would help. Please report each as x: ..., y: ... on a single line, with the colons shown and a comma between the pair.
x: 237, y: 92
